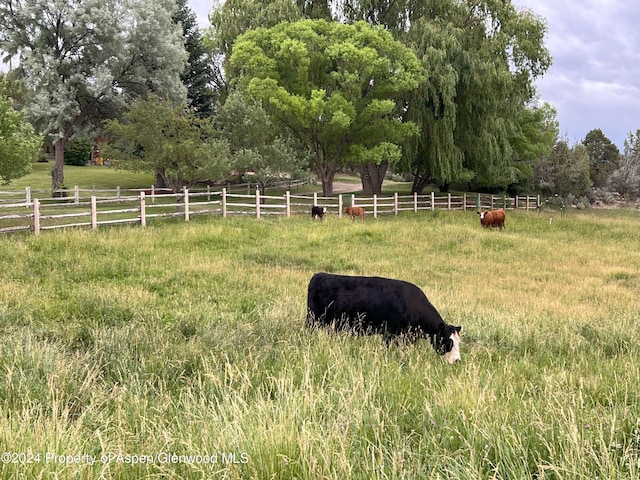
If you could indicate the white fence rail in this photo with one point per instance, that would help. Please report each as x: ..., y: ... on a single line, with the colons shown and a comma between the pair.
x: 38, y: 214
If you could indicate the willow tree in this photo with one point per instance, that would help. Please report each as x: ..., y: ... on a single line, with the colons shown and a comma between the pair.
x: 481, y: 59
x: 82, y: 60
x: 333, y: 86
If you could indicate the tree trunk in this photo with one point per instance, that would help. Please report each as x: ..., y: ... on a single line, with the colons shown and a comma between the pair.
x: 372, y: 176
x: 57, y: 173
x: 419, y: 182
x: 326, y: 178
x: 160, y: 181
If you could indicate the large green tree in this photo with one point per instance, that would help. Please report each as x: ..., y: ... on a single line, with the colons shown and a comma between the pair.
x: 481, y: 59
x: 159, y: 136
x: 335, y: 87
x: 603, y: 156
x: 19, y: 145
x: 83, y: 60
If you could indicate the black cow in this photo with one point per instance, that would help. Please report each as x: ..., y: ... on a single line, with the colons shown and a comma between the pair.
x: 318, y: 212
x: 370, y: 305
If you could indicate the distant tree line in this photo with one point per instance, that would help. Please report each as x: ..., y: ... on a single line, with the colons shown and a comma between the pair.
x: 438, y: 91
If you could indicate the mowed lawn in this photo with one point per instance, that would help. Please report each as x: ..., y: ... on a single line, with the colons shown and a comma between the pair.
x: 179, y: 351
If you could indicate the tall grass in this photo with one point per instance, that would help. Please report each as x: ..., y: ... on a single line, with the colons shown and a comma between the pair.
x: 186, y: 340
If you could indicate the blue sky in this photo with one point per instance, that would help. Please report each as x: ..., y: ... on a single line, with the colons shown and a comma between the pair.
x: 594, y: 81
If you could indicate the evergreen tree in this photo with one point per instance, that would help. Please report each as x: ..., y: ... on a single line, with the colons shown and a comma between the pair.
x: 198, y: 73
x: 603, y: 156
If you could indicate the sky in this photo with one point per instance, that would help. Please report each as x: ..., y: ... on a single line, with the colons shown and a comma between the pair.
x: 594, y: 81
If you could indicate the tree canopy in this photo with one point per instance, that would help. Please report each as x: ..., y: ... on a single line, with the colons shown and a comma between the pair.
x: 334, y: 86
x: 19, y: 145
x: 82, y: 60
x: 481, y: 60
x: 566, y: 170
x: 258, y: 148
x: 159, y: 136
x: 603, y: 156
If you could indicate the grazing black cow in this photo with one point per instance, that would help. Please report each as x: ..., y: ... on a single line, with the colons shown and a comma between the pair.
x: 318, y: 212
x: 369, y: 305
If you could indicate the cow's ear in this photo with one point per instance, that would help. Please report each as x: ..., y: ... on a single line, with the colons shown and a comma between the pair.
x: 458, y: 329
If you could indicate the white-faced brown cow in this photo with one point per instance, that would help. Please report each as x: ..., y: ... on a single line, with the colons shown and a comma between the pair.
x: 370, y: 305
x: 495, y: 218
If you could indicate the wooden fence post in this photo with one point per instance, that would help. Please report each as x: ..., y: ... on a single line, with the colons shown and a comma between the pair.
x: 415, y: 201
x: 464, y: 202
x: 448, y: 201
x: 395, y: 203
x: 94, y: 212
x: 375, y: 205
x: 353, y: 200
x: 186, y: 204
x: 28, y: 195
x: 340, y: 206
x: 433, y: 201
x: 258, y: 203
x: 76, y: 194
x: 36, y: 216
x: 315, y: 198
x: 224, y: 202
x: 143, y: 210
x: 287, y: 200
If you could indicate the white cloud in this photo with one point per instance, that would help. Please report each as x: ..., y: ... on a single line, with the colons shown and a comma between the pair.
x: 595, y: 78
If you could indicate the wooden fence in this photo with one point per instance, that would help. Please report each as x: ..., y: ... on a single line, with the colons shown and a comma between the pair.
x: 38, y: 214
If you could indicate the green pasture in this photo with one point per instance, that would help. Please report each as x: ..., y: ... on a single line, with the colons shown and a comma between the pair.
x: 85, y: 177
x: 179, y: 351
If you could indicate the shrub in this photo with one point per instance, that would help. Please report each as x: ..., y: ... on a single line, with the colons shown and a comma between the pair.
x: 77, y: 152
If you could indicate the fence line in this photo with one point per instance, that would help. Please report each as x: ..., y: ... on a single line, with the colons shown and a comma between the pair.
x: 38, y: 214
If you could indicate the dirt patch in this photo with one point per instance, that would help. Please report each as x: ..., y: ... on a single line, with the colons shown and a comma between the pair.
x: 346, y: 187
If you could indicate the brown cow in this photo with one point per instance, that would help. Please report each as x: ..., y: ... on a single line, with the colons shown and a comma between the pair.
x: 494, y: 218
x: 354, y: 212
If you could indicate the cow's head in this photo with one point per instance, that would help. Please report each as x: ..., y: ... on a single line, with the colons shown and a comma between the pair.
x: 482, y: 214
x: 447, y: 343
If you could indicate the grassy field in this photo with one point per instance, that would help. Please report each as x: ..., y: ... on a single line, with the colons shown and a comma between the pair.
x: 85, y: 177
x: 179, y: 351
